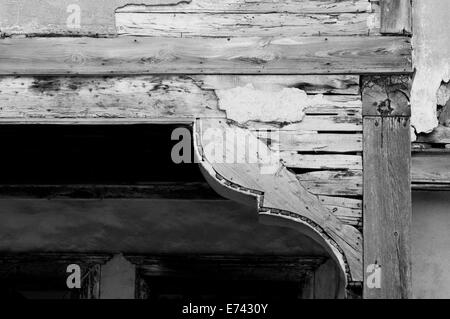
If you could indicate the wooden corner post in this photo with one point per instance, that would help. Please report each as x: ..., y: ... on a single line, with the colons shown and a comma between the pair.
x: 387, y: 187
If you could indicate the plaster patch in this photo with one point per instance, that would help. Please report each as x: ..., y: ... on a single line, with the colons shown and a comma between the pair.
x: 243, y: 104
x: 431, y: 56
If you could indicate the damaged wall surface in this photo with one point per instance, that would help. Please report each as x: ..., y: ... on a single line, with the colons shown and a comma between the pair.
x: 431, y: 56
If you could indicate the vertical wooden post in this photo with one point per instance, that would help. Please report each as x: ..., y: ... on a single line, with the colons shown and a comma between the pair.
x: 396, y: 16
x: 387, y: 187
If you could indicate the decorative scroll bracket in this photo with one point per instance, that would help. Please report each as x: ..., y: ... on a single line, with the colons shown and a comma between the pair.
x: 279, y: 196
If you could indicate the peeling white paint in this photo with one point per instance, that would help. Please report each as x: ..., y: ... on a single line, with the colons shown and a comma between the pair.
x: 243, y: 104
x: 431, y: 54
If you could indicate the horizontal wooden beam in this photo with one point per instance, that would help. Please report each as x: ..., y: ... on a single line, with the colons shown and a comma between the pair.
x: 128, y: 55
x: 431, y: 170
x: 185, y: 25
x: 261, y: 6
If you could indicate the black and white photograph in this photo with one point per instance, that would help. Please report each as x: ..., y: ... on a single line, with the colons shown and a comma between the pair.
x: 224, y: 158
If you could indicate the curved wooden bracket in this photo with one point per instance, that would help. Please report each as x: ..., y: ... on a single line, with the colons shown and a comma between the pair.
x: 278, y: 195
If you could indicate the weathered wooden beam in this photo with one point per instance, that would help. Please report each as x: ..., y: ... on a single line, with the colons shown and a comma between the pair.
x: 396, y: 16
x: 278, y: 193
x: 333, y: 183
x: 262, y: 6
x: 64, y: 17
x: 185, y: 25
x: 299, y: 141
x: 129, y: 55
x: 164, y: 98
x: 430, y: 170
x: 387, y: 189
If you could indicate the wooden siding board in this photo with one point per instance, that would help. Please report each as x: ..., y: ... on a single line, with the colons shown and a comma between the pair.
x: 261, y: 6
x: 396, y: 16
x: 183, y: 25
x: 128, y: 55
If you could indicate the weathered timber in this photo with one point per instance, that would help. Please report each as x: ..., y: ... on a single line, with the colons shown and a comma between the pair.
x: 64, y: 17
x: 347, y: 86
x: 333, y: 183
x: 386, y: 96
x: 312, y: 142
x: 396, y: 16
x: 129, y: 55
x: 348, y: 210
x: 430, y: 168
x: 262, y: 6
x: 321, y: 161
x: 182, y: 25
x: 147, y: 97
x: 387, y: 196
x: 247, y: 182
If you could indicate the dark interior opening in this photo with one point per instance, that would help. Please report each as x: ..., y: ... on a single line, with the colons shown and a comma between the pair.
x: 91, y: 154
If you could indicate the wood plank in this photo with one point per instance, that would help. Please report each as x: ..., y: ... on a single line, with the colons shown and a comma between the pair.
x: 261, y: 6
x: 387, y: 203
x: 333, y: 183
x: 147, y: 98
x: 430, y: 168
x: 185, y: 25
x: 348, y: 210
x: 325, y: 162
x: 313, y: 142
x: 128, y: 55
x: 63, y: 17
x: 396, y: 16
x: 345, y: 85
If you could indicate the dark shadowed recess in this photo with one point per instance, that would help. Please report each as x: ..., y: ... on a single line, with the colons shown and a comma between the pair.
x: 95, y: 161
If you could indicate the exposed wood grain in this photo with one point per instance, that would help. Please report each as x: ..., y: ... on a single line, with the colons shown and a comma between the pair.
x: 246, y: 182
x: 387, y: 205
x: 313, y: 142
x: 148, y: 97
x: 261, y: 6
x: 386, y: 96
x: 347, y: 85
x: 128, y: 55
x: 430, y: 168
x: 348, y: 210
x: 396, y: 16
x: 184, y: 25
x: 47, y: 17
x: 325, y: 162
x: 387, y: 201
x: 333, y: 183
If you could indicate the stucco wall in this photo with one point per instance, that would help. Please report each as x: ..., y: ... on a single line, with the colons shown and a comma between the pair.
x: 431, y: 53
x: 431, y: 245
